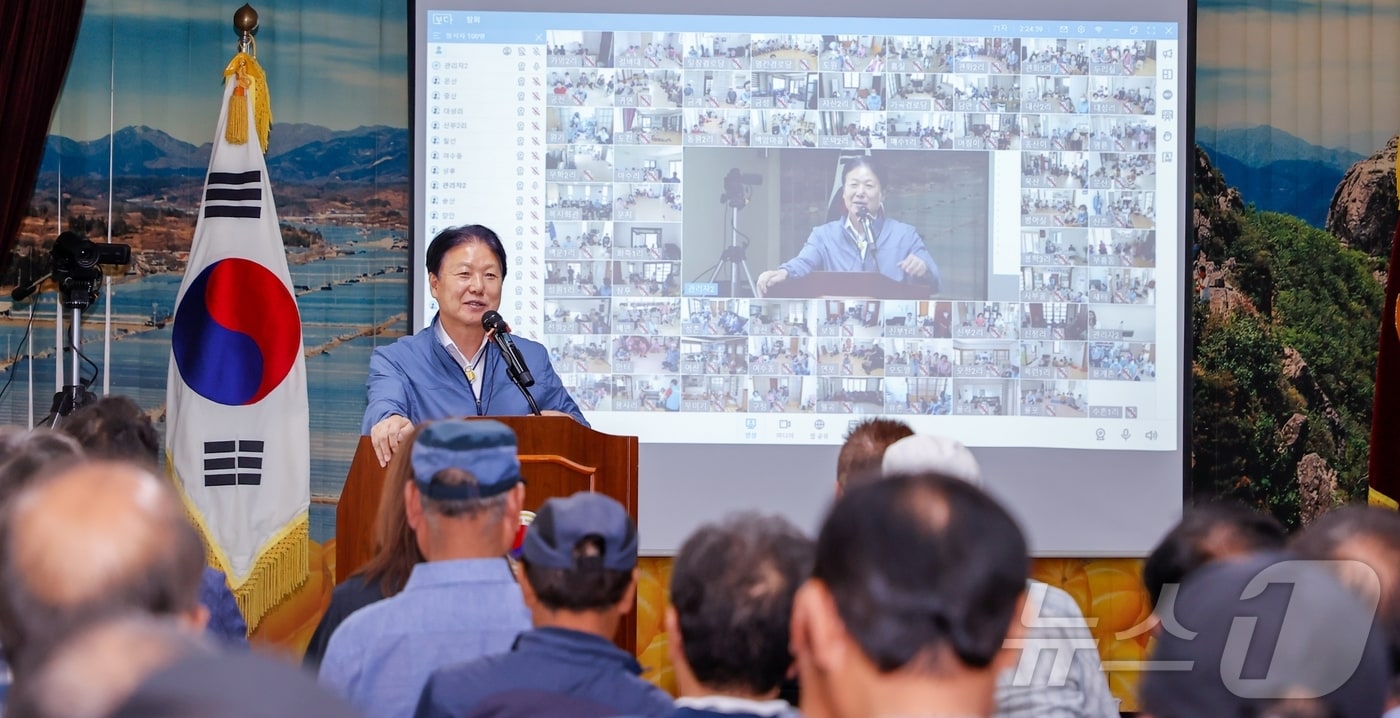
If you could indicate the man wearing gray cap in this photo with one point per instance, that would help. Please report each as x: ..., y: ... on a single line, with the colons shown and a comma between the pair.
x: 579, y: 559
x: 463, y: 602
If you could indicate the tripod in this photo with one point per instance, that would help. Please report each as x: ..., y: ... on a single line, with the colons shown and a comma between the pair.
x: 76, y: 295
x: 735, y: 255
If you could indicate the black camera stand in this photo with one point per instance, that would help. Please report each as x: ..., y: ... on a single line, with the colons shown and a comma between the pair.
x: 735, y: 255
x: 75, y: 394
x: 76, y: 268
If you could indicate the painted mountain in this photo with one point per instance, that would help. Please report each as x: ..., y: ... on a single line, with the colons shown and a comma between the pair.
x: 1277, y: 171
x: 297, y: 153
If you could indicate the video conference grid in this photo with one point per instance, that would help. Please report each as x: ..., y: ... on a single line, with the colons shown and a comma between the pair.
x: 1082, y: 114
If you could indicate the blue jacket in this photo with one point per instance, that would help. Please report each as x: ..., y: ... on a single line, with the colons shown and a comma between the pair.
x: 546, y: 660
x: 829, y: 249
x: 417, y: 379
x: 225, y: 619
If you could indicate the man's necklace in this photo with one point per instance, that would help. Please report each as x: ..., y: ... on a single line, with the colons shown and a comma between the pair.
x: 476, y: 361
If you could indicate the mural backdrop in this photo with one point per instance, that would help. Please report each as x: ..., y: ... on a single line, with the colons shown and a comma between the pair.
x: 127, y: 155
x: 1295, y: 203
x: 1294, y: 211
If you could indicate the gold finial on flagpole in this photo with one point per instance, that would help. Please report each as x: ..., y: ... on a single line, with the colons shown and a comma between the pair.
x: 245, y: 23
x: 249, y: 76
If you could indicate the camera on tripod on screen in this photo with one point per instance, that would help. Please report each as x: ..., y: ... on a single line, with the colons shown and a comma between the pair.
x: 738, y: 188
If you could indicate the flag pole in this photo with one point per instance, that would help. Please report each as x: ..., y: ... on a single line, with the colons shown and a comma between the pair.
x: 245, y: 23
x: 245, y: 70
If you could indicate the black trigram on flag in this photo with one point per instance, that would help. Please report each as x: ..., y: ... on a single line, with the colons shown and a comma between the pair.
x: 234, y: 194
x: 229, y: 463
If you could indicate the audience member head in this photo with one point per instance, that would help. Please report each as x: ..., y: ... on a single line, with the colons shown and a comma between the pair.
x: 1357, y: 536
x: 465, y: 497
x: 114, y: 427
x: 1299, y: 708
x: 580, y: 557
x: 28, y: 455
x: 235, y: 684
x: 1206, y: 533
x: 917, y: 582
x: 732, y: 586
x: 99, y: 667
x: 1258, y: 632
x: 929, y: 453
x: 864, y: 449
x: 136, y: 552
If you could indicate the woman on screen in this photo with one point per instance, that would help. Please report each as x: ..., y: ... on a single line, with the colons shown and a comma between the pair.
x: 864, y: 240
x: 450, y: 368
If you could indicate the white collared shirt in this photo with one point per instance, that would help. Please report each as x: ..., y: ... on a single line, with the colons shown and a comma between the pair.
x: 733, y: 704
x: 475, y: 378
x: 863, y: 239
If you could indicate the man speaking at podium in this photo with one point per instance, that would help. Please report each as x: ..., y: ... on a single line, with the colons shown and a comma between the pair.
x: 864, y: 240
x: 454, y: 368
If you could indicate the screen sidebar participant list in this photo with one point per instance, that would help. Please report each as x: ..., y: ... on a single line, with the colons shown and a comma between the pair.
x: 478, y: 82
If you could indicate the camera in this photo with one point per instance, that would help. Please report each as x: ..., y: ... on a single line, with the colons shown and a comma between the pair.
x: 77, y: 256
x: 738, y: 188
x: 76, y: 266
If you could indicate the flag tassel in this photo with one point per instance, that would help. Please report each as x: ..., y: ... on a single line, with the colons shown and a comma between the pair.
x: 237, y: 132
x: 245, y: 70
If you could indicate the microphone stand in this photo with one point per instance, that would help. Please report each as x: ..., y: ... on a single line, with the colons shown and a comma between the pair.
x: 515, y: 377
x: 513, y: 371
x: 534, y: 408
x: 870, y: 238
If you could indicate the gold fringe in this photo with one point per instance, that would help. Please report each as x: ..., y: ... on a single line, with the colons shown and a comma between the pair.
x: 236, y: 133
x: 250, y: 76
x: 282, y: 566
x: 1376, y: 498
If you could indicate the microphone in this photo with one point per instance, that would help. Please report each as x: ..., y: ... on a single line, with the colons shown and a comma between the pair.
x: 22, y: 293
x: 499, y: 332
x: 863, y: 214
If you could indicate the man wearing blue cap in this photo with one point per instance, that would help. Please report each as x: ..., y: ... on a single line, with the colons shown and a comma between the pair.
x: 579, y: 559
x: 463, y: 602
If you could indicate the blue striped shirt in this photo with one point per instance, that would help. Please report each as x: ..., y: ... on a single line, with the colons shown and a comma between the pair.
x: 449, y: 612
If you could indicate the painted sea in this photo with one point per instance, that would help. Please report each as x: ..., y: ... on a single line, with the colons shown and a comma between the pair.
x: 365, y: 284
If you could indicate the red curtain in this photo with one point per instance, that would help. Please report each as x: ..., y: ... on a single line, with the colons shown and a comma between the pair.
x: 38, y: 40
x: 1385, y: 413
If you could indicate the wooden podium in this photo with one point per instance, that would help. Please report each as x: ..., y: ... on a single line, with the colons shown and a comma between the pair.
x: 841, y: 285
x: 558, y: 457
